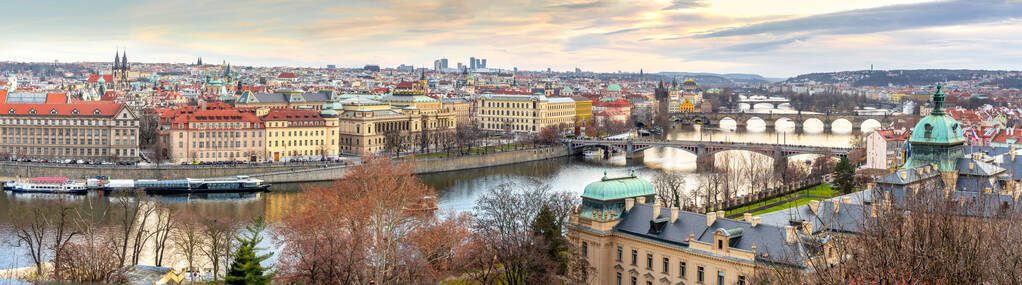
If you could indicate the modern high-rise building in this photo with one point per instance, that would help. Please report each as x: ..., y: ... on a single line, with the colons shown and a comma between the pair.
x: 440, y: 64
x: 482, y: 63
x: 472, y: 62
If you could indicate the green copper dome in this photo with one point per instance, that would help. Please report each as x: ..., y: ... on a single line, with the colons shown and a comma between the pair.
x: 613, y: 87
x: 608, y: 189
x: 938, y: 127
x: 936, y: 139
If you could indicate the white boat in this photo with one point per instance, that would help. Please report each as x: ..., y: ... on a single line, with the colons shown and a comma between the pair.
x: 593, y: 153
x: 47, y: 185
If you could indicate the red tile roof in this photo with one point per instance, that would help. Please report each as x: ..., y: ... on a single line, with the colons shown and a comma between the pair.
x: 56, y: 98
x: 287, y: 75
x: 83, y: 109
x: 289, y: 114
x: 106, y: 77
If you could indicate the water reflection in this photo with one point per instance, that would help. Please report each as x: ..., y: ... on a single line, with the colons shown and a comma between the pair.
x: 456, y: 190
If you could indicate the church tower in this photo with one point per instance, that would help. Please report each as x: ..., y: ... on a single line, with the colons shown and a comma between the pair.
x: 119, y: 74
x: 936, y: 139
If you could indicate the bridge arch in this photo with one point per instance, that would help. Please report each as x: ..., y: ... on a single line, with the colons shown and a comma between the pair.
x: 869, y: 125
x: 813, y: 125
x: 763, y: 105
x: 842, y: 126
x: 784, y: 125
x: 728, y: 123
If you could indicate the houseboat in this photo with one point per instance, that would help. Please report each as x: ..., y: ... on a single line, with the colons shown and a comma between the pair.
x: 239, y: 184
x: 46, y: 185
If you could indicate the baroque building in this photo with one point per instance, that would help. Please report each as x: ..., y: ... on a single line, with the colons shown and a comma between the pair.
x: 53, y: 129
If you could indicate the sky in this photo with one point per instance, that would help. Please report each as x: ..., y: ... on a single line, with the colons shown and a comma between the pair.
x: 779, y: 38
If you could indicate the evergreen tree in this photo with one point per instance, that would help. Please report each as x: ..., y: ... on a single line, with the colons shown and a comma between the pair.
x: 246, y: 268
x: 546, y: 227
x: 844, y: 176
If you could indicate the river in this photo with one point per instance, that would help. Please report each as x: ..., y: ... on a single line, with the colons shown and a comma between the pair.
x: 456, y: 190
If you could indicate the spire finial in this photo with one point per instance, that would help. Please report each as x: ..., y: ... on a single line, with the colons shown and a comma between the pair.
x: 604, y: 175
x: 938, y: 102
x: 633, y: 171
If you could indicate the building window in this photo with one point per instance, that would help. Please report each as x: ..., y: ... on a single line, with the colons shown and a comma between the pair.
x: 618, y: 278
x: 649, y: 282
x: 667, y: 264
x: 699, y: 274
x: 619, y: 253
x: 585, y: 248
x: 720, y: 277
x: 681, y: 269
x: 649, y: 261
x: 635, y: 281
x: 741, y: 280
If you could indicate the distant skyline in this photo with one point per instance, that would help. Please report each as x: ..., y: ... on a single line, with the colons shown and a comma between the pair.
x: 770, y: 38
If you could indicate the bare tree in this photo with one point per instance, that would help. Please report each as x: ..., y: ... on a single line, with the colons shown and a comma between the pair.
x: 218, y: 234
x: 30, y: 230
x: 670, y: 189
x: 187, y: 238
x: 64, y: 227
x: 166, y: 222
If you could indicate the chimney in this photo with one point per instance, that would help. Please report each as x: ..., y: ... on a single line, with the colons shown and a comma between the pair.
x: 873, y: 210
x: 814, y: 205
x: 987, y: 190
x: 656, y: 211
x: 710, y: 218
x: 789, y: 234
x: 807, y: 227
x: 747, y: 217
x: 674, y: 214
x: 629, y: 203
x: 756, y: 221
x: 837, y: 205
x: 640, y: 200
x: 846, y: 200
x: 904, y: 175
x: 720, y: 214
x: 972, y: 165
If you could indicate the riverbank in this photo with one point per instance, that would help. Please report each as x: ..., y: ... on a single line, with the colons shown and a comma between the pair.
x: 272, y: 173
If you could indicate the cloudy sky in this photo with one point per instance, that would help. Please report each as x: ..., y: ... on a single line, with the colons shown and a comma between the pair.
x: 773, y: 38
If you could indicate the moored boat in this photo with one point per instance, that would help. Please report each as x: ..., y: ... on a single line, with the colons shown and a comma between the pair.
x: 239, y: 184
x: 47, y: 185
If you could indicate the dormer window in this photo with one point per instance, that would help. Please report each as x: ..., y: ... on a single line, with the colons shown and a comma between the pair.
x: 928, y: 130
x: 74, y: 112
x: 11, y: 111
x: 96, y: 112
x: 32, y: 111
x: 53, y: 111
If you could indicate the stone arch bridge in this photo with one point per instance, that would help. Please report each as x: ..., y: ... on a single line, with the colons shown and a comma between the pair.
x: 633, y: 148
x: 771, y: 120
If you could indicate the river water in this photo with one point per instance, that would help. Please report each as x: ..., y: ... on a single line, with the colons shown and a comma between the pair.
x: 456, y: 190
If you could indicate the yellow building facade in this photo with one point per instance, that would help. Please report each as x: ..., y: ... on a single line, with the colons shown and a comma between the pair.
x: 524, y: 113
x: 293, y: 134
x: 365, y: 126
x: 583, y: 111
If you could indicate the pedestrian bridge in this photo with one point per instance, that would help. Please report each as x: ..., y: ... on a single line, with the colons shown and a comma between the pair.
x: 631, y: 147
x: 771, y: 120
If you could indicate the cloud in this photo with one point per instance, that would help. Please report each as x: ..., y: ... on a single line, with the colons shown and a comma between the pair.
x: 884, y: 18
x: 686, y: 4
x: 763, y: 46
